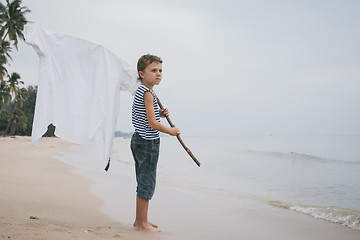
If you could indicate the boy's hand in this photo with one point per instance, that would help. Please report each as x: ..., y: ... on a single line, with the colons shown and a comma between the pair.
x: 164, y: 112
x: 174, y: 131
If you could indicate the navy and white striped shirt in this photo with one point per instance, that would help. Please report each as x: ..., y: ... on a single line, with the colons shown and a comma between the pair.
x: 139, y: 116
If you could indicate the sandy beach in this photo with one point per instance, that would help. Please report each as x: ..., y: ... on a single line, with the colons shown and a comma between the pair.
x: 41, y: 198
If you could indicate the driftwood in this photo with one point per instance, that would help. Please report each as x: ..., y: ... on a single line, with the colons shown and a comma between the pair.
x: 178, y: 136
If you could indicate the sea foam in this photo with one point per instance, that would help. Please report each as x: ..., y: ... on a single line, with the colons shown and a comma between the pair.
x: 344, y: 216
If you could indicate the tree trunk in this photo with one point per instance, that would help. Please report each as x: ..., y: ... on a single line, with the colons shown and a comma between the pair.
x: 13, y: 129
x: 12, y: 116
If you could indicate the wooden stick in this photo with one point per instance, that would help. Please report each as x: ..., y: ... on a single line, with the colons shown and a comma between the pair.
x: 178, y: 136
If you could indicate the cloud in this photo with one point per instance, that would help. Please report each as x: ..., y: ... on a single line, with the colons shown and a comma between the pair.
x: 230, y: 67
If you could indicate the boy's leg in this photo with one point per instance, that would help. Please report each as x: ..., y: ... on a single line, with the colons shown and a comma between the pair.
x: 146, y: 156
x: 141, y: 221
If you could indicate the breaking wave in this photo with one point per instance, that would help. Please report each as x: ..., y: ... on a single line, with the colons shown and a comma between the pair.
x: 347, y: 217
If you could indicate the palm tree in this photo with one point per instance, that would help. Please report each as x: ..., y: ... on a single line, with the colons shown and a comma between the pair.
x: 20, y: 96
x: 14, y: 89
x: 5, y: 98
x: 3, y: 70
x: 5, y: 95
x: 17, y: 122
x: 5, y: 49
x: 14, y: 83
x: 12, y: 20
x: 29, y: 108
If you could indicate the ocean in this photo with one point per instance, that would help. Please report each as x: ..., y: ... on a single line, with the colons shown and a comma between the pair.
x: 314, y: 175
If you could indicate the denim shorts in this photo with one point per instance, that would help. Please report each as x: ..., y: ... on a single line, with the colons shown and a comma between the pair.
x: 146, y: 154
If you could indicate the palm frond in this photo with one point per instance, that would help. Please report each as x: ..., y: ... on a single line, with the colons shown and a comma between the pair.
x: 13, y: 15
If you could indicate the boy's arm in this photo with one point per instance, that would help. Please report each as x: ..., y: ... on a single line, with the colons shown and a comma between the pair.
x: 150, y: 112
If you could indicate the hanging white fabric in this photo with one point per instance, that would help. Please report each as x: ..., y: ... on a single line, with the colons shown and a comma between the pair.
x: 78, y: 89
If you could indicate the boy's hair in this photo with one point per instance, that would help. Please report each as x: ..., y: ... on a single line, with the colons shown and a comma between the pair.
x: 146, y: 60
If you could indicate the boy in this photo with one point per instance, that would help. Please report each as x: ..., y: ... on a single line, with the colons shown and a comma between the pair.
x: 145, y: 142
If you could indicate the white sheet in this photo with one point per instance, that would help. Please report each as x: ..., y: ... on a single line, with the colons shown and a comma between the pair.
x: 78, y: 89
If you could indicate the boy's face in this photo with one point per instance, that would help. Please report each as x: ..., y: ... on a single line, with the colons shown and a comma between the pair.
x: 152, y: 74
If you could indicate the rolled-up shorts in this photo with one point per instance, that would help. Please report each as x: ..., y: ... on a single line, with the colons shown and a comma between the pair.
x: 146, y: 154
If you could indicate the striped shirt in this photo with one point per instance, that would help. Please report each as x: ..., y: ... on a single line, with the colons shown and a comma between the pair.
x: 139, y: 116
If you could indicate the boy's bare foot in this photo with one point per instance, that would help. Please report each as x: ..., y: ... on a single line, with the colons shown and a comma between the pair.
x: 151, y: 224
x: 150, y: 227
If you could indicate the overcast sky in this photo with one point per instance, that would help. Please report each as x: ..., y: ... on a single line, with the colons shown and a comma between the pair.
x: 230, y: 67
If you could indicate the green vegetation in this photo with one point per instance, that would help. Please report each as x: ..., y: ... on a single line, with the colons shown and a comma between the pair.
x: 16, y: 102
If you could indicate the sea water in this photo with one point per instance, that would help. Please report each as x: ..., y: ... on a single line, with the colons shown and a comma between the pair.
x: 314, y: 175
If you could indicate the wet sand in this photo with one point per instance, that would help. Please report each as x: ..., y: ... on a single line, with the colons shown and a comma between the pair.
x: 42, y: 198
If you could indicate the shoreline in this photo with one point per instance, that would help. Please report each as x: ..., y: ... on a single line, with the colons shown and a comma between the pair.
x: 68, y: 196
x: 42, y: 199
x: 198, y: 215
